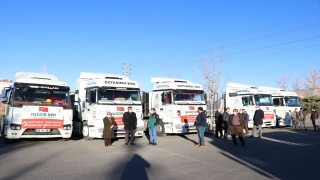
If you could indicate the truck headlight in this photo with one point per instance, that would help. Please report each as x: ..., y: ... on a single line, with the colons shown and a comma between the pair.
x: 179, y: 126
x: 140, y: 128
x: 67, y: 127
x: 15, y: 126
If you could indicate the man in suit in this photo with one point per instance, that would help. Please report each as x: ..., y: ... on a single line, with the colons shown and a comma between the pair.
x: 218, y: 120
x: 130, y: 124
x: 257, y: 121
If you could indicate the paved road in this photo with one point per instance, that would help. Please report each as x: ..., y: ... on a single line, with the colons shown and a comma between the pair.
x: 282, y: 154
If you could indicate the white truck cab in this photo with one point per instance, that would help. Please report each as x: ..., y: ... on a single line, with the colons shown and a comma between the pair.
x: 99, y: 93
x: 38, y: 106
x: 284, y: 103
x: 241, y: 96
x: 176, y: 101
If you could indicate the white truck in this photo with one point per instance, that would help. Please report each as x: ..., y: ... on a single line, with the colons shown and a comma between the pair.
x: 241, y: 96
x: 284, y: 102
x: 176, y: 101
x: 38, y: 107
x: 99, y: 93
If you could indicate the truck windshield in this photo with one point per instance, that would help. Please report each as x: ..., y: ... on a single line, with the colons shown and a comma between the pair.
x: 188, y: 95
x: 263, y: 100
x: 43, y: 97
x: 292, y: 101
x: 115, y: 95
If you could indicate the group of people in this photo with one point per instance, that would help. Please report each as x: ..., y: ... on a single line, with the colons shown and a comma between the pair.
x: 299, y: 117
x: 129, y: 120
x: 233, y: 124
x: 237, y: 122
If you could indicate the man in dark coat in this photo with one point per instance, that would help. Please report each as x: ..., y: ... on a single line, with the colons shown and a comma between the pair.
x: 218, y: 120
x: 201, y: 124
x: 129, y: 120
x: 314, y: 116
x: 257, y: 121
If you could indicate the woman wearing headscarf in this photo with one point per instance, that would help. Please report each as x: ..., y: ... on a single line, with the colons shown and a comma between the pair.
x: 108, y: 132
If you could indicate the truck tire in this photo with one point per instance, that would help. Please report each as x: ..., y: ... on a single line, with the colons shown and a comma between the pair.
x: 160, y: 129
x: 85, y: 131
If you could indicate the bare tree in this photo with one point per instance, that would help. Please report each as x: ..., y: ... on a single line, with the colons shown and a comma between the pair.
x: 312, y: 80
x: 44, y: 69
x: 297, y: 83
x: 283, y: 82
x: 211, y: 70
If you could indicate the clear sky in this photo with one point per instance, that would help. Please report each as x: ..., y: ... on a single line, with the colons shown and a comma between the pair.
x: 262, y: 39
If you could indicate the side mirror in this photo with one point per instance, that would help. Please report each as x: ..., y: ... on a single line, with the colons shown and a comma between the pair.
x: 4, y: 100
x: 205, y: 96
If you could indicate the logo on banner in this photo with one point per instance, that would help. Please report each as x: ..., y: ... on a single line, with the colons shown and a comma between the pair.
x: 191, y: 107
x: 43, y: 109
x: 120, y: 108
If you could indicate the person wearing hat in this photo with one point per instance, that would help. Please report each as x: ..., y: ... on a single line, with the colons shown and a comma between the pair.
x: 314, y: 117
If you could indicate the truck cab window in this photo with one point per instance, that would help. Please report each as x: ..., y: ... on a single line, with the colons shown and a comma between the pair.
x: 247, y: 101
x: 278, y: 101
x: 93, y: 94
x: 88, y: 93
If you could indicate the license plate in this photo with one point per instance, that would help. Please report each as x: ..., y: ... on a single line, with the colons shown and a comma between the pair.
x: 42, y: 130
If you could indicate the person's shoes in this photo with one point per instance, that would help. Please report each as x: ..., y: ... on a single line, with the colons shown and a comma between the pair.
x: 235, y: 145
x: 198, y: 144
x: 259, y: 137
x: 109, y: 144
x: 314, y: 130
x: 126, y: 144
x: 202, y: 145
x: 243, y: 145
x: 225, y: 138
x: 132, y: 144
x: 150, y: 143
x: 154, y: 144
x: 306, y: 129
x: 250, y: 136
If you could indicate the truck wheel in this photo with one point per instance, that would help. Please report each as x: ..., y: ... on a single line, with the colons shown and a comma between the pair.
x: 160, y: 129
x: 85, y: 131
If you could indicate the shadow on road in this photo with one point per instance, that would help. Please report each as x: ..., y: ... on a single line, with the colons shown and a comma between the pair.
x: 187, y: 138
x: 284, y: 154
x: 135, y: 169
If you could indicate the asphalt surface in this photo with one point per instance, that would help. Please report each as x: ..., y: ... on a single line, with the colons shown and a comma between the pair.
x: 281, y: 154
